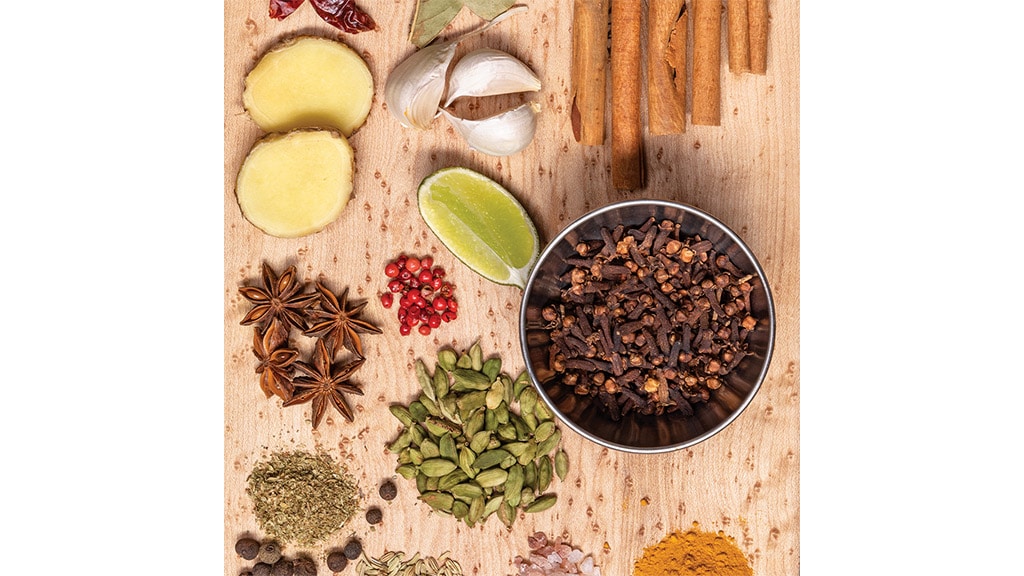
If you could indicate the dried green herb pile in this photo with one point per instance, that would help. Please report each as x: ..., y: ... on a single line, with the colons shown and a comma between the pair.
x: 477, y: 442
x: 301, y: 497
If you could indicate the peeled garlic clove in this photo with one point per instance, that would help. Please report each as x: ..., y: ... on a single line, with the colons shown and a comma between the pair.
x: 414, y: 88
x: 489, y: 72
x: 501, y: 135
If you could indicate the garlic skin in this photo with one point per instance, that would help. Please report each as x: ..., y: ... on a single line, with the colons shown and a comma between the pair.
x: 414, y: 88
x: 490, y: 72
x: 503, y: 134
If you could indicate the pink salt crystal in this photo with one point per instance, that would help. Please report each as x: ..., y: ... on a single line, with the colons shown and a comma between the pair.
x: 538, y: 540
x: 575, y: 556
x: 587, y: 566
x: 554, y: 558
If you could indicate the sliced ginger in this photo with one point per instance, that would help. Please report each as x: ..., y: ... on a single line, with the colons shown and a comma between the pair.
x: 309, y: 81
x: 296, y: 183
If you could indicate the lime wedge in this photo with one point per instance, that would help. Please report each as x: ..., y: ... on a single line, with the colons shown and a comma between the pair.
x: 481, y: 223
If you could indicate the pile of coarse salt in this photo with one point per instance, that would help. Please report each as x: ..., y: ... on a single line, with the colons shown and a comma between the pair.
x: 554, y: 559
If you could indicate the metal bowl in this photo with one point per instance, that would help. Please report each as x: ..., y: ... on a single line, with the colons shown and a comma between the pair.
x: 635, y: 432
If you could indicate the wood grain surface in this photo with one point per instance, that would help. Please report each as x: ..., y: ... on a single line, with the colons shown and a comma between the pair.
x: 743, y: 481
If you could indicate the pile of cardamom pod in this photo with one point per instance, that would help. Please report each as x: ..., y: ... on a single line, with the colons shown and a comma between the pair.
x: 478, y: 442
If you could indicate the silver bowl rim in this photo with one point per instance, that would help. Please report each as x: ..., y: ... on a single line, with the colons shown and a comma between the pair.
x: 526, y: 353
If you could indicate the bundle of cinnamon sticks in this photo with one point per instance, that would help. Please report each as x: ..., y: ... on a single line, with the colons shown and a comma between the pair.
x: 668, y: 44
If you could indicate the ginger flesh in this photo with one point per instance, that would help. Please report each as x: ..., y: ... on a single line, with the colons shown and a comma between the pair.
x: 309, y: 81
x: 295, y: 184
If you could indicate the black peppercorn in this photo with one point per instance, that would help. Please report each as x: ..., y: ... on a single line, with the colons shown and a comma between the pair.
x: 284, y: 567
x: 269, y: 553
x: 262, y: 569
x: 305, y: 567
x: 247, y: 548
x: 336, y: 561
x: 353, y: 549
x: 374, y: 515
x: 388, y: 490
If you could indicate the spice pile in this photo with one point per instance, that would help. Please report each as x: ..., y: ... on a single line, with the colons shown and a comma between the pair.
x: 554, y: 559
x: 394, y: 564
x: 301, y: 497
x: 425, y: 298
x: 692, y: 553
x: 280, y: 306
x: 471, y: 453
x: 649, y: 320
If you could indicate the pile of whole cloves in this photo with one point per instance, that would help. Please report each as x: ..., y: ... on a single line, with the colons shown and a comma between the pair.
x: 649, y: 321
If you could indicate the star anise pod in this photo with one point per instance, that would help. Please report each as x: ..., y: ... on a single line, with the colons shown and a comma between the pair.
x: 324, y: 382
x: 280, y: 298
x: 276, y: 361
x: 337, y: 323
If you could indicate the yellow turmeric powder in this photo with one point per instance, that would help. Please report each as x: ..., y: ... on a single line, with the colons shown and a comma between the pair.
x: 693, y: 553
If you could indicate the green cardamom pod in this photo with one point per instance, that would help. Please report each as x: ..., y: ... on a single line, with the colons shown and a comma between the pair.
x: 551, y: 443
x: 447, y: 358
x: 506, y: 432
x: 425, y: 380
x: 478, y: 443
x: 473, y: 424
x: 561, y: 464
x: 491, y: 477
x: 490, y: 459
x: 439, y: 426
x: 506, y: 383
x: 542, y: 412
x: 452, y: 479
x: 430, y: 405
x: 441, y: 382
x: 492, y: 505
x: 429, y: 449
x: 437, y: 467
x: 466, y: 379
x: 516, y: 448
x: 470, y: 401
x: 476, y: 510
x: 541, y: 504
x: 466, y: 458
x: 464, y: 361
x: 496, y: 395
x: 523, y: 431
x: 401, y: 443
x: 432, y: 483
x: 446, y: 446
x: 543, y: 473
x: 415, y: 456
x: 508, y: 462
x: 544, y: 431
x: 407, y: 471
x: 527, y: 400
x: 449, y: 408
x: 507, y: 514
x: 421, y: 482
x: 514, y: 484
x: 418, y: 435
x: 476, y: 356
x: 530, y: 420
x: 521, y: 383
x: 529, y: 454
x: 467, y: 491
x: 530, y: 474
x: 501, y: 413
x: 490, y: 421
x: 460, y: 509
x: 418, y: 411
x: 526, y: 497
x: 491, y: 368
x: 402, y: 413
x: 405, y: 456
x: 438, y: 500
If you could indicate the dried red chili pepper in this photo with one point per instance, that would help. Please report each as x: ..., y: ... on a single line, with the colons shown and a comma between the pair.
x: 280, y: 9
x: 344, y: 15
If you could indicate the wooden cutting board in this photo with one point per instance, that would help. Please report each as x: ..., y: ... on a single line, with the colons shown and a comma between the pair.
x: 743, y: 481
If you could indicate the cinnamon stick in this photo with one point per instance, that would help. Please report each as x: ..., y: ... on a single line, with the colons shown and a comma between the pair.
x: 589, y: 65
x: 627, y: 145
x: 739, y: 36
x: 707, y: 60
x: 666, y: 66
x: 757, y: 13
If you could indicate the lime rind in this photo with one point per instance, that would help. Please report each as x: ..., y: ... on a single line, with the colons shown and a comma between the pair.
x: 481, y: 224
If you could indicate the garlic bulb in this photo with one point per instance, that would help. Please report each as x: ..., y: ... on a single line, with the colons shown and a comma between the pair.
x: 414, y: 88
x: 503, y: 134
x: 489, y: 72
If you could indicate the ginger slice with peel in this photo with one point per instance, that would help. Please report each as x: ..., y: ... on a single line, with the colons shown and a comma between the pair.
x: 309, y: 81
x: 296, y: 183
